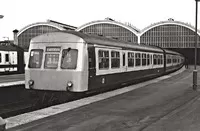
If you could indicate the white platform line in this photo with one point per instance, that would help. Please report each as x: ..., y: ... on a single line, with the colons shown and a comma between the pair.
x: 39, y: 114
x: 6, y: 84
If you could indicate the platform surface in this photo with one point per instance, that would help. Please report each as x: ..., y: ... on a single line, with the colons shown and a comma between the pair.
x: 11, y: 80
x: 167, y: 105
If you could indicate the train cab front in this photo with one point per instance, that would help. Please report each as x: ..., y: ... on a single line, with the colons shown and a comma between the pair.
x: 56, y: 68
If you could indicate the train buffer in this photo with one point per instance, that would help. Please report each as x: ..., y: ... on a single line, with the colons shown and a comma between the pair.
x: 165, y: 103
x: 2, y: 124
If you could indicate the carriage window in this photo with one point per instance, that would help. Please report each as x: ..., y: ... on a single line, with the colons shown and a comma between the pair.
x: 161, y: 57
x: 103, y: 59
x: 158, y: 59
x: 155, y: 59
x: 124, y: 59
x: 69, y: 59
x: 144, y: 60
x: 35, y: 60
x: 0, y: 58
x: 51, y: 61
x: 148, y: 59
x: 137, y: 59
x: 130, y: 59
x: 169, y: 59
x: 115, y: 59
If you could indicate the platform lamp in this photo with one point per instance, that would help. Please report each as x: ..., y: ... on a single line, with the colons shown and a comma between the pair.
x: 195, y: 51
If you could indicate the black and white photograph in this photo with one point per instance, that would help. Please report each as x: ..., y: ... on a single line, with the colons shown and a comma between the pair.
x: 109, y: 65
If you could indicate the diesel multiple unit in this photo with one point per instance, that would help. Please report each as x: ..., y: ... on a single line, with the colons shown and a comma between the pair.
x: 77, y: 62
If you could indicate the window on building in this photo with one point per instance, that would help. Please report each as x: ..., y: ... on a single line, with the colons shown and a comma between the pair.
x: 103, y: 59
x: 69, y: 59
x: 115, y: 59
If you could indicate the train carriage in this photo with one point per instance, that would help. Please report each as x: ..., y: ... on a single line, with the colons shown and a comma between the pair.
x: 11, y: 59
x: 77, y: 62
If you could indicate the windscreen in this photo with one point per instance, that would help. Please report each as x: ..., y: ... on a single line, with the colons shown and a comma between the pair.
x: 69, y: 59
x: 51, y: 61
x: 35, y: 60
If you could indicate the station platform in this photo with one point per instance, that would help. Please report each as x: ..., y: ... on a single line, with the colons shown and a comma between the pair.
x: 167, y: 103
x: 11, y: 80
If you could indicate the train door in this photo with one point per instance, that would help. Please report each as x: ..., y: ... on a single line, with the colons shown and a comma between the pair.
x: 91, y: 67
x: 124, y: 61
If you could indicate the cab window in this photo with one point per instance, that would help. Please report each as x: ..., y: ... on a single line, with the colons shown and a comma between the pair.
x: 69, y: 59
x: 51, y: 61
x: 35, y: 60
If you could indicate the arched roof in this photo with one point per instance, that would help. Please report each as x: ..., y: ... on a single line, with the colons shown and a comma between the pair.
x: 51, y: 23
x: 132, y: 29
x: 169, y: 21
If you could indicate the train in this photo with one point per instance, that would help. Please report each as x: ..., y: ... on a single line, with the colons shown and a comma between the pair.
x: 70, y: 61
x: 11, y: 59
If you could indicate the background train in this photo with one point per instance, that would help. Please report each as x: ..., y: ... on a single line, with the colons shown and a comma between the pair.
x: 75, y: 62
x: 11, y: 59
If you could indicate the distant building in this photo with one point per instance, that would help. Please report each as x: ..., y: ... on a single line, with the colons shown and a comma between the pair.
x: 111, y: 29
x: 173, y: 35
x: 23, y: 37
x: 169, y: 34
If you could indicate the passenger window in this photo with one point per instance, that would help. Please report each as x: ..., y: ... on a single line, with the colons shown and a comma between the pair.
x: 124, y: 59
x: 115, y: 59
x: 158, y: 59
x: 35, y: 60
x: 137, y: 59
x: 143, y: 59
x: 155, y: 59
x: 130, y: 59
x: 103, y: 59
x: 148, y: 59
x: 51, y: 61
x: 0, y: 58
x: 69, y: 59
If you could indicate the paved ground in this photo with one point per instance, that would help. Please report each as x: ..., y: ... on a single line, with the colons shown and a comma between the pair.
x: 168, y: 105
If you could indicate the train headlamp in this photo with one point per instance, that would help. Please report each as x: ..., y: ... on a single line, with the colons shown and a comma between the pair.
x: 69, y: 85
x: 30, y: 82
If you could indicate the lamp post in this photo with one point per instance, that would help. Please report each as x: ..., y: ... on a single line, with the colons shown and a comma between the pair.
x: 195, y: 50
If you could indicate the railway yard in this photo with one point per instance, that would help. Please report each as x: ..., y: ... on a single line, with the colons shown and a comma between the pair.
x: 150, y: 105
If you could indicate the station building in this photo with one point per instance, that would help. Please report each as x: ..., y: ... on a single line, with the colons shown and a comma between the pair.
x: 173, y: 35
x: 22, y: 37
x: 111, y: 29
x: 170, y: 34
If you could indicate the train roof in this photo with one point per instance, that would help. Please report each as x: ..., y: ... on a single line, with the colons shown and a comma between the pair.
x: 171, y: 52
x: 62, y: 36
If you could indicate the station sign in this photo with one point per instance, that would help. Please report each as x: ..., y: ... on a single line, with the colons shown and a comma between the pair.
x: 53, y: 49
